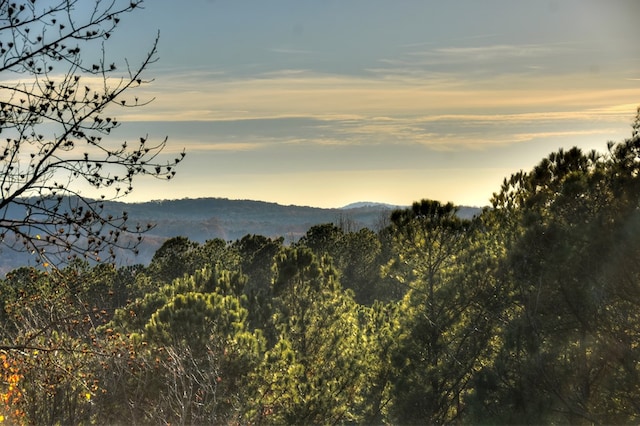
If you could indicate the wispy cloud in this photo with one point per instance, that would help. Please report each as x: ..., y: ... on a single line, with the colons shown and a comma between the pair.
x: 222, y: 146
x: 473, y: 60
x: 434, y: 109
x: 290, y: 51
x: 491, y: 52
x: 304, y: 93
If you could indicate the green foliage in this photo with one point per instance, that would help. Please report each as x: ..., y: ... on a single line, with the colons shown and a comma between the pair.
x: 172, y: 260
x: 315, y: 372
x: 360, y: 265
x: 356, y: 256
x: 191, y: 318
x: 135, y: 314
x: 256, y: 255
x: 571, y: 270
x: 179, y: 256
x: 445, y: 324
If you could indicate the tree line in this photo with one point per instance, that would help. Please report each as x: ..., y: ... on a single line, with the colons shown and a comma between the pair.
x: 527, y: 313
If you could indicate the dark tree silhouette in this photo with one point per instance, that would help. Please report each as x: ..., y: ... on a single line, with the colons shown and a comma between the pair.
x: 55, y: 136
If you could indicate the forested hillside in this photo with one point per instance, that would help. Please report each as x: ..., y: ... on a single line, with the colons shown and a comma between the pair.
x: 210, y: 218
x: 526, y: 313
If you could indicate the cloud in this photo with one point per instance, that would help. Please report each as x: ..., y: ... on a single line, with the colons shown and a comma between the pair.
x: 438, y: 110
x: 289, y: 51
x: 363, y: 137
x: 307, y: 94
x: 223, y: 146
x: 493, y: 52
x: 472, y: 61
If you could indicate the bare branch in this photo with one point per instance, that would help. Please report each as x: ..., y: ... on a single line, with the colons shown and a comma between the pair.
x: 54, y: 134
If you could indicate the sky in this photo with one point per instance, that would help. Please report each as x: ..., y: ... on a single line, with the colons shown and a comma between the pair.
x: 325, y: 103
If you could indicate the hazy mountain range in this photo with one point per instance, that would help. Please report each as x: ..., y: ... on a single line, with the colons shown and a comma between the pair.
x: 207, y: 218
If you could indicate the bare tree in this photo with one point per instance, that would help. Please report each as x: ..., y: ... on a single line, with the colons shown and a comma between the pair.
x: 54, y: 134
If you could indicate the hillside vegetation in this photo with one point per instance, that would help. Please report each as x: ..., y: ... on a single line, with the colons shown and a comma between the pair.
x: 209, y: 218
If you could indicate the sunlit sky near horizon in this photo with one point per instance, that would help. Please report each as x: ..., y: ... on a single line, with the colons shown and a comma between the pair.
x: 325, y: 103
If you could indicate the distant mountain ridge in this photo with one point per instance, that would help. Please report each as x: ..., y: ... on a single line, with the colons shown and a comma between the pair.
x: 360, y: 204
x: 202, y: 219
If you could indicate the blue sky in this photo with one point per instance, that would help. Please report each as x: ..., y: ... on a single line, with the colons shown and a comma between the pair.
x: 324, y: 103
